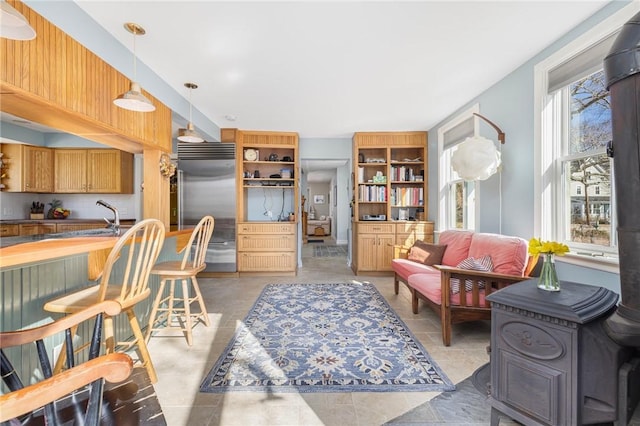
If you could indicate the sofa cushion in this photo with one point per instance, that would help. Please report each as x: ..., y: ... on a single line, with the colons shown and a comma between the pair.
x: 405, y: 268
x: 457, y: 242
x: 480, y: 264
x: 429, y: 286
x: 429, y: 254
x: 508, y: 254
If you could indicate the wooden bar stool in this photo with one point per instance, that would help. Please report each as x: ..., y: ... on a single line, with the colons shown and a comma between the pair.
x: 168, y: 310
x: 134, y: 254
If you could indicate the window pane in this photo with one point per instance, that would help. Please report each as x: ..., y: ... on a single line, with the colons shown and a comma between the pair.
x: 590, y: 126
x: 589, y: 182
x: 461, y: 207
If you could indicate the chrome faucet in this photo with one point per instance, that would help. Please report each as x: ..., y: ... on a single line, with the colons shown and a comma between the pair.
x: 115, y: 225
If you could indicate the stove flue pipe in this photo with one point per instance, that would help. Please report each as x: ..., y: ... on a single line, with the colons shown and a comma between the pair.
x: 622, y: 71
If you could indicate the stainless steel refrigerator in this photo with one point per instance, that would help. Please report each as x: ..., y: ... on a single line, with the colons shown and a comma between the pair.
x: 207, y: 186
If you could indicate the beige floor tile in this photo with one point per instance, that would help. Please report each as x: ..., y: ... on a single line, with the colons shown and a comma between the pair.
x: 181, y: 368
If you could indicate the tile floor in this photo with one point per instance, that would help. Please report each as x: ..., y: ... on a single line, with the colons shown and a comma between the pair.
x: 181, y: 368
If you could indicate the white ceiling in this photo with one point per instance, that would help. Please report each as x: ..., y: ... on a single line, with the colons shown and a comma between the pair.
x: 329, y: 68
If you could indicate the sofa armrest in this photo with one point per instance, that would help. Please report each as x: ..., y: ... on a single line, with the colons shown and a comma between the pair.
x: 479, y: 280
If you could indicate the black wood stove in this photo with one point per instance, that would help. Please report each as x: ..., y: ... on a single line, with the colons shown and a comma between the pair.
x: 552, y: 362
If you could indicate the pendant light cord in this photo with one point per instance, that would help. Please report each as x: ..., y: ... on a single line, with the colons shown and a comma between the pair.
x: 190, y: 106
x: 135, y: 70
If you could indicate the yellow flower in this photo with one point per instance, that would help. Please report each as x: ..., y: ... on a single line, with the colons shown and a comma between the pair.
x: 537, y: 247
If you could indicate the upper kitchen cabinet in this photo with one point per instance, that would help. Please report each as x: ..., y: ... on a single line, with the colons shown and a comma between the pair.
x: 100, y: 171
x: 29, y: 168
x: 55, y: 81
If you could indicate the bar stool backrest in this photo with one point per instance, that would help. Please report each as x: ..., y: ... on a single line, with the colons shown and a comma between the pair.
x: 196, y: 249
x: 141, y: 246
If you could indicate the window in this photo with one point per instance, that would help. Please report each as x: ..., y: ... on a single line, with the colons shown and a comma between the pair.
x: 458, y: 198
x: 585, y: 219
x: 573, y: 123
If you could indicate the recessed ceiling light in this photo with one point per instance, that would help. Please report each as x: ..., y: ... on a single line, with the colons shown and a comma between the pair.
x: 230, y: 117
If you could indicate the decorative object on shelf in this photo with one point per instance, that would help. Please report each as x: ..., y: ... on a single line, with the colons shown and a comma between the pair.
x: 134, y: 100
x: 189, y: 134
x: 37, y: 210
x: 167, y: 168
x: 477, y: 158
x: 251, y: 154
x: 14, y: 25
x: 548, y: 279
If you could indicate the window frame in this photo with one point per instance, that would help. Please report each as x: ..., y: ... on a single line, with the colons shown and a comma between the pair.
x: 446, y: 180
x: 549, y: 125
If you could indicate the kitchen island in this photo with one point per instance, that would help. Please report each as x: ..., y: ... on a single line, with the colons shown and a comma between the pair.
x: 31, y: 273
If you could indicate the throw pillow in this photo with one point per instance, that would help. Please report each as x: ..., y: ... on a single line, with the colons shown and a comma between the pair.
x: 428, y: 254
x: 483, y: 263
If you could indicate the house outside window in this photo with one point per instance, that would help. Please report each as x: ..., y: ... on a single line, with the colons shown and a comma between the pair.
x: 457, y: 198
x: 574, y: 174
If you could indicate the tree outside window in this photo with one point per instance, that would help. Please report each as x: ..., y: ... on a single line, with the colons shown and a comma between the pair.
x: 587, y: 168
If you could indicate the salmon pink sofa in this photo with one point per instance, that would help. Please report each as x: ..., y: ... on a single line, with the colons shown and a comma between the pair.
x: 454, y: 276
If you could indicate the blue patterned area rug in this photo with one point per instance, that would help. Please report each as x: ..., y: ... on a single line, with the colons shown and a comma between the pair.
x: 324, y: 338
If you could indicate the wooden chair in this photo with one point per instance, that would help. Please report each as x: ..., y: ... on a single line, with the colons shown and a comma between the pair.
x: 135, y: 253
x: 21, y: 399
x: 165, y: 311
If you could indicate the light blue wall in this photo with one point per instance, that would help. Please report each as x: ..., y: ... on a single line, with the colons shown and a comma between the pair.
x: 21, y: 134
x: 509, y: 104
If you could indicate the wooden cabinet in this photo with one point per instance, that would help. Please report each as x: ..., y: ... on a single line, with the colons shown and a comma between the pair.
x: 374, y: 246
x: 9, y: 230
x: 267, y: 248
x: 390, y: 196
x: 37, y: 228
x: 70, y: 227
x: 267, y: 168
x: 70, y: 167
x: 98, y: 171
x: 408, y: 233
x: 29, y: 168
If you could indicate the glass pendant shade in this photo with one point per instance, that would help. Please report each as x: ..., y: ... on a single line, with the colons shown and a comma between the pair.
x: 13, y: 25
x: 134, y: 100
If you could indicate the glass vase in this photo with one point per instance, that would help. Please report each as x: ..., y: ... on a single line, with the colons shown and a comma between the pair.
x: 548, y: 277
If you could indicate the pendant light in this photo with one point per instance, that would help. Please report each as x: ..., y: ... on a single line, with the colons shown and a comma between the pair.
x: 13, y: 25
x: 189, y: 134
x: 134, y: 100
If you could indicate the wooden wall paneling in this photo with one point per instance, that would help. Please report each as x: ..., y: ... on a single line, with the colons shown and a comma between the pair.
x: 156, y: 188
x: 55, y: 72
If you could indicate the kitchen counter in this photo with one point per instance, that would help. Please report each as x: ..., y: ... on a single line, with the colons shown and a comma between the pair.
x: 30, y: 221
x: 18, y: 251
x: 34, y: 272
